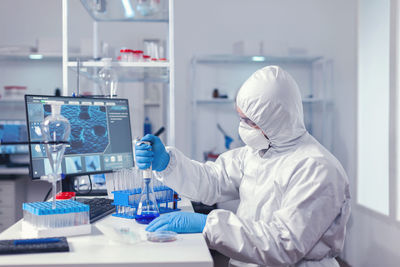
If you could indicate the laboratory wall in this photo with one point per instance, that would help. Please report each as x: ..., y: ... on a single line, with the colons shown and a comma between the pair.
x: 375, y: 232
x: 311, y: 25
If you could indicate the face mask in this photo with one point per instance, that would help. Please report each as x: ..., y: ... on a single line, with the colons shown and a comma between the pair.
x: 253, y: 137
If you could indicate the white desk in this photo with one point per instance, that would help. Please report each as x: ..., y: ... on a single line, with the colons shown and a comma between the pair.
x: 97, y: 250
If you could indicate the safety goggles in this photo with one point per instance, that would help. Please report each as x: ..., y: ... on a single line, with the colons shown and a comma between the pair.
x: 248, y: 122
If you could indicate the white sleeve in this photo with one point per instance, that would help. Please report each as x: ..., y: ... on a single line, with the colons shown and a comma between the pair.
x: 312, y: 200
x: 209, y: 182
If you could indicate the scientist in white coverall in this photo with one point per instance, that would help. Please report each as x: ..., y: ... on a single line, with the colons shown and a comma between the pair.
x: 294, y: 194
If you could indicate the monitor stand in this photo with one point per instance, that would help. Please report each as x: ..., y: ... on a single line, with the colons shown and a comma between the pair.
x: 68, y: 186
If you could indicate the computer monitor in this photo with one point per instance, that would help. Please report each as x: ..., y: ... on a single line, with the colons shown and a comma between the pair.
x: 100, y: 139
x: 13, y: 131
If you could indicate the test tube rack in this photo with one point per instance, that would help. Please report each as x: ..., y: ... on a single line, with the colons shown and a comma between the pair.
x: 126, y: 201
x: 67, y: 219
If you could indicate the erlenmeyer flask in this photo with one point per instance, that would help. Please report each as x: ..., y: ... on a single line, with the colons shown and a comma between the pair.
x: 108, y: 78
x: 55, y: 128
x: 147, y: 209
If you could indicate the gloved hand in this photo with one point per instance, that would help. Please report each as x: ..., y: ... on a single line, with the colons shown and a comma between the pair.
x: 154, y: 155
x: 179, y: 222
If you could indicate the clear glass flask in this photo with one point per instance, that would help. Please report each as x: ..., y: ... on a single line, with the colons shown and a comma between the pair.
x: 147, y: 209
x: 108, y: 78
x: 56, y: 130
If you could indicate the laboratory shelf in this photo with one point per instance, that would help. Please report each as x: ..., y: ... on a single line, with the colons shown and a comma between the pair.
x: 151, y: 76
x: 227, y: 101
x: 312, y: 100
x: 37, y: 57
x: 13, y: 171
x: 12, y: 102
x: 151, y: 103
x: 123, y: 11
x: 214, y: 101
x: 121, y: 64
x: 263, y: 59
x: 140, y: 75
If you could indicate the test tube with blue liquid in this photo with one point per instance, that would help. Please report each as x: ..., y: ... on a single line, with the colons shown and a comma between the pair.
x: 147, y: 209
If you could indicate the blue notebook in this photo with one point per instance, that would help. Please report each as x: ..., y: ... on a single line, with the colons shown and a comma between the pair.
x: 34, y: 245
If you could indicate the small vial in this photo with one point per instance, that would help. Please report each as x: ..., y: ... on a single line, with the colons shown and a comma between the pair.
x: 146, y: 58
x: 137, y: 55
x: 124, y: 54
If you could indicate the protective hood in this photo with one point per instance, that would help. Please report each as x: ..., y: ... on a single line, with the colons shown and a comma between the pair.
x: 271, y: 99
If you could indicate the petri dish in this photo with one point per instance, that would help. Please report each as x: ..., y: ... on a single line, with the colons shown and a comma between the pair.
x: 162, y: 236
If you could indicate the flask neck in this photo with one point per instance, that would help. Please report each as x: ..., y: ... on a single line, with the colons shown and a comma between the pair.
x: 55, y: 109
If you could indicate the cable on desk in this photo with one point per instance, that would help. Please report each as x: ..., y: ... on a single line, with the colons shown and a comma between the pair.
x: 47, y: 195
x: 77, y: 189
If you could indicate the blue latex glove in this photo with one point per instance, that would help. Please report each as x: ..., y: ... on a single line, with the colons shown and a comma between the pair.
x: 179, y: 222
x: 154, y: 155
x: 228, y: 141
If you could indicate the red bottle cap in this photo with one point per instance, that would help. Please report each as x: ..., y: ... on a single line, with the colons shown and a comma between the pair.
x: 65, y: 195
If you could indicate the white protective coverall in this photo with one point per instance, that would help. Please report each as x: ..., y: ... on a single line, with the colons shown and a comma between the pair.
x: 294, y: 196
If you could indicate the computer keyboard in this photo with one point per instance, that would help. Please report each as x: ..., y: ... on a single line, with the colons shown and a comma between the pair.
x: 99, y: 207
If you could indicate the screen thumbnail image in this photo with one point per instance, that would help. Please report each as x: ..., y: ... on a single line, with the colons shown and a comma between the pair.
x: 73, y: 164
x: 35, y: 112
x: 36, y: 131
x: 92, y: 163
x: 38, y: 151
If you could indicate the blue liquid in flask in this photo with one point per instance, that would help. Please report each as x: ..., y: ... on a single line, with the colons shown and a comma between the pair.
x: 147, y: 209
x: 146, y: 217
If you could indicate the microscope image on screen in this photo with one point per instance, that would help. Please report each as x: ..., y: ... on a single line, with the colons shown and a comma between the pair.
x: 88, y: 128
x: 100, y: 139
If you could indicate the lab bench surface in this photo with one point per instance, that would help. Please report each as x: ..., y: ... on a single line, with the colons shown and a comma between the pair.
x: 97, y: 250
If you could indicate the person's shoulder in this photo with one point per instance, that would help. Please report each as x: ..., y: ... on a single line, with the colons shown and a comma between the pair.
x: 314, y: 157
x: 235, y: 154
x: 310, y: 149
